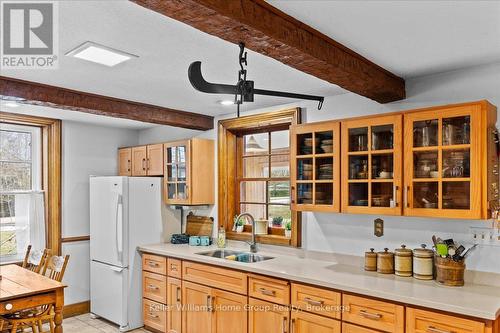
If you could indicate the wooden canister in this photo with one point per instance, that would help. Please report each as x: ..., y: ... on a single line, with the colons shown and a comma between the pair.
x: 423, y: 263
x: 403, y: 261
x: 450, y: 272
x: 385, y: 262
x: 371, y: 260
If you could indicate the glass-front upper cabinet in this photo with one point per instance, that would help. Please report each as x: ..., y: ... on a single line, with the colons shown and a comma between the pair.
x: 442, y: 162
x: 316, y: 167
x: 371, y: 165
x: 176, y: 171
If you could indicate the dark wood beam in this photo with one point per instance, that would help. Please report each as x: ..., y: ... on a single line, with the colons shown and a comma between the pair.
x: 41, y: 94
x: 271, y: 32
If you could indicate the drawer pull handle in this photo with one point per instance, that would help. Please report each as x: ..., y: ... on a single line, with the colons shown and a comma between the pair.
x: 432, y: 329
x: 152, y: 264
x: 369, y: 315
x: 266, y: 292
x: 153, y: 315
x: 8, y: 306
x: 283, y: 328
x: 313, y: 302
x: 210, y: 304
x: 173, y: 267
x: 152, y: 287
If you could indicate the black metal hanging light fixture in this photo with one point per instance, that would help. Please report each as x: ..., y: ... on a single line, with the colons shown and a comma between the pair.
x: 244, y: 90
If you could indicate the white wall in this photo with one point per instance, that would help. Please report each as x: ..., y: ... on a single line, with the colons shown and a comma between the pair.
x: 353, y: 234
x: 86, y: 150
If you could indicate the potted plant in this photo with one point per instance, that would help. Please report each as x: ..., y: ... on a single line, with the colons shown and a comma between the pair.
x: 239, y: 225
x: 288, y: 229
x: 277, y: 221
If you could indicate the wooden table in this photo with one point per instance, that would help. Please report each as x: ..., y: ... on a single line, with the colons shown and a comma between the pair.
x: 22, y: 289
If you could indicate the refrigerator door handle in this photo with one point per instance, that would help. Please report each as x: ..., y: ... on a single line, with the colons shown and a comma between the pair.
x: 119, y: 225
x: 116, y: 269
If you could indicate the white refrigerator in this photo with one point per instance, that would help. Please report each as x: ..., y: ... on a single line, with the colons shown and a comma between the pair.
x: 124, y: 212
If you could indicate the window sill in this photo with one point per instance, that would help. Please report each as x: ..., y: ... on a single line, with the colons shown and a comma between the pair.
x: 264, y: 239
x: 12, y: 262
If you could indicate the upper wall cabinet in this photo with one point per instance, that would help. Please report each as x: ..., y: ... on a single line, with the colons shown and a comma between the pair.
x: 371, y: 165
x: 141, y: 161
x: 189, y: 172
x: 315, y: 171
x: 451, y: 161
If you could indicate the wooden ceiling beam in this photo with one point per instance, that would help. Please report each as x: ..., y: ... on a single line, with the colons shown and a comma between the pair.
x: 41, y: 94
x: 271, y: 32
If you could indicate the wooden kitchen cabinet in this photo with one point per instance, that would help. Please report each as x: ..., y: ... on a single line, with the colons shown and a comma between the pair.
x: 422, y: 321
x: 189, y: 172
x: 303, y: 322
x: 267, y: 317
x: 125, y: 162
x: 139, y: 161
x: 154, y: 160
x: 174, y: 300
x: 315, y: 167
x: 212, y: 310
x: 451, y: 163
x: 372, y: 159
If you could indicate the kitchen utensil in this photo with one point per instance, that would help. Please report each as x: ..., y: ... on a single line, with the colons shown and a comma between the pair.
x: 450, y: 272
x: 385, y: 262
x: 371, y: 260
x: 468, y: 252
x: 403, y: 261
x: 423, y: 263
x: 442, y: 250
x: 458, y: 252
x: 434, y: 240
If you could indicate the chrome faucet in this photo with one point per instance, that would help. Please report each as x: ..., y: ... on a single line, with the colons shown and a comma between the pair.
x: 252, y: 243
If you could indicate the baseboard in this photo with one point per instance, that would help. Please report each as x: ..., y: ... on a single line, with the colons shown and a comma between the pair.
x: 76, y: 309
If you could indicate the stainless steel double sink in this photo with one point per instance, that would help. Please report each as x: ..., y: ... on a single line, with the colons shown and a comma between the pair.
x: 240, y: 256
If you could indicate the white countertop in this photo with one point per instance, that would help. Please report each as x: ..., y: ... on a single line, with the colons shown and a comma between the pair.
x: 481, y: 301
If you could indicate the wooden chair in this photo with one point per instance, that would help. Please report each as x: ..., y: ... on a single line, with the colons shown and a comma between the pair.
x: 35, y: 260
x: 54, y: 268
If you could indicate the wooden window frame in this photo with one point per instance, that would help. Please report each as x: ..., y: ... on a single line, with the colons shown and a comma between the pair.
x: 51, y: 171
x: 228, y: 131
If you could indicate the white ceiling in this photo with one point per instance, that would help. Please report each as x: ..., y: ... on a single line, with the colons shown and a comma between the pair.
x: 165, y: 48
x: 408, y: 38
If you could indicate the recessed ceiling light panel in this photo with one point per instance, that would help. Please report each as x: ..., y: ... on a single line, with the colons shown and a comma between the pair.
x: 100, y: 54
x: 226, y: 102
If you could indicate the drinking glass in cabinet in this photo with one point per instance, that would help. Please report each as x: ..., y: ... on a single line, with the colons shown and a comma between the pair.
x: 456, y: 130
x: 324, y: 194
x: 304, y: 193
x: 425, y: 133
x: 455, y: 195
x: 382, y: 137
x: 172, y: 155
x: 456, y: 163
x: 304, y: 169
x: 358, y: 194
x: 425, y: 195
x: 358, y: 139
x: 325, y: 142
x: 324, y: 168
x: 358, y: 167
x: 181, y: 191
x: 382, y: 166
x: 305, y: 144
x: 425, y: 164
x: 171, y: 191
x: 382, y: 194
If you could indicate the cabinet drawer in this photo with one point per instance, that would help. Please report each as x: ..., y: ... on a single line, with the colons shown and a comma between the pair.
x: 154, y: 287
x: 316, y: 300
x: 226, y: 279
x: 384, y: 316
x: 269, y: 289
x: 155, y: 315
x: 303, y: 322
x: 154, y: 264
x: 174, y: 268
x: 430, y: 322
x: 349, y: 328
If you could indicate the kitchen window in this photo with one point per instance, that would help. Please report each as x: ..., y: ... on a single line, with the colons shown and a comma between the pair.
x: 254, y: 177
x: 21, y: 199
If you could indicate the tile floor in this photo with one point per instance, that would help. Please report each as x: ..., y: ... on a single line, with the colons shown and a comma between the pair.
x: 85, y: 324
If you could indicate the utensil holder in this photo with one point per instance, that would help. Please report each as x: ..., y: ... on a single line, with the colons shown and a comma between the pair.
x: 449, y: 272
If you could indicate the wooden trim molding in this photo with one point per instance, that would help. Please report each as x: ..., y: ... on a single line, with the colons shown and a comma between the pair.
x: 51, y: 171
x: 227, y: 170
x: 271, y: 32
x: 41, y: 94
x: 72, y: 310
x: 75, y: 239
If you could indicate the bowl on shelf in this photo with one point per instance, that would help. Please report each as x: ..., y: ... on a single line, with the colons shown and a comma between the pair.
x: 385, y: 175
x: 327, y: 148
x: 308, y: 142
x: 434, y: 174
